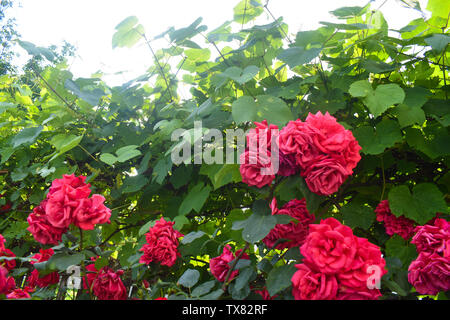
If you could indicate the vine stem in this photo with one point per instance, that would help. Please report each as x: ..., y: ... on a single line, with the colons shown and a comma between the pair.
x: 227, y: 277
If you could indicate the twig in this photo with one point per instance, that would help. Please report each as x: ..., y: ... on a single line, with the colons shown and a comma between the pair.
x: 227, y: 277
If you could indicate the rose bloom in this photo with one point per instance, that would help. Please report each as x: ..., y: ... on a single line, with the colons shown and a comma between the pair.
x: 296, y: 139
x: 432, y: 238
x: 402, y: 226
x: 287, y: 164
x: 330, y: 247
x: 308, y: 284
x: 265, y: 294
x: 294, y: 232
x: 8, y: 264
x: 367, y: 264
x: 20, y: 293
x: 256, y: 168
x: 41, y: 229
x: 7, y: 284
x: 219, y: 266
x: 263, y: 133
x: 325, y: 175
x: 108, y: 285
x: 162, y: 244
x: 63, y: 197
x: 91, y: 211
x: 430, y: 273
x: 331, y: 137
x: 49, y: 279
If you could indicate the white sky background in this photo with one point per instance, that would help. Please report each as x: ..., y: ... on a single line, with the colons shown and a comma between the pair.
x: 89, y: 25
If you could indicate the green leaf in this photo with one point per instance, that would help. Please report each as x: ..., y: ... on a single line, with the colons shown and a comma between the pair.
x: 189, y: 278
x: 227, y: 174
x: 438, y: 42
x: 348, y: 12
x: 397, y: 247
x: 26, y: 136
x: 279, y: 278
x: 386, y: 134
x: 247, y: 10
x: 191, y: 236
x: 358, y: 215
x: 295, y: 56
x: 239, y: 75
x: 127, y: 153
x: 273, y: 109
x: 128, y: 33
x: 408, y: 116
x: 90, y: 96
x: 360, y: 89
x: 421, y: 205
x: 63, y: 142
x: 259, y: 224
x: 195, y: 199
x: 108, y: 158
x: 439, y: 8
x: 203, y: 288
x: 62, y: 261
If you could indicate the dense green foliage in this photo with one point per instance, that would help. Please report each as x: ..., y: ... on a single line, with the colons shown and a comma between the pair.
x: 390, y: 87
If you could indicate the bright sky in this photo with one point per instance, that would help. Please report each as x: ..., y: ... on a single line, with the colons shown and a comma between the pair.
x: 89, y: 25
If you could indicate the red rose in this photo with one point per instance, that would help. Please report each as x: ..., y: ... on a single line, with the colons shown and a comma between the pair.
x: 91, y: 211
x: 430, y: 273
x: 219, y: 266
x: 160, y: 298
x: 296, y: 139
x: 367, y: 269
x: 308, y: 284
x: 8, y: 264
x: 325, y: 175
x: 79, y: 188
x: 63, y: 197
x: 6, y: 283
x: 261, y: 136
x: 402, y: 226
x: 287, y: 164
x: 294, y: 232
x: 162, y: 244
x: 330, y: 247
x: 265, y: 294
x: 256, y: 168
x: 108, y: 285
x: 20, y: 293
x: 41, y: 229
x: 2, y: 242
x: 433, y: 238
x: 49, y: 279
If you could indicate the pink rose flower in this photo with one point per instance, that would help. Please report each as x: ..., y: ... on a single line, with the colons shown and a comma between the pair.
x: 35, y: 279
x: 108, y: 285
x: 402, y: 226
x: 256, y: 168
x: 91, y: 211
x: 330, y: 247
x: 79, y: 188
x: 433, y: 238
x: 362, y: 293
x: 41, y: 229
x: 325, y: 175
x: 294, y: 232
x: 430, y: 273
x: 219, y: 266
x: 162, y: 244
x: 308, y: 284
x: 2, y: 242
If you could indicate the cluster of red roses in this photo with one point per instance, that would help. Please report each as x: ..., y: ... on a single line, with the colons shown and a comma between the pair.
x: 67, y: 203
x: 430, y: 272
x: 402, y: 226
x: 337, y: 265
x: 162, y: 244
x: 294, y: 233
x: 320, y: 148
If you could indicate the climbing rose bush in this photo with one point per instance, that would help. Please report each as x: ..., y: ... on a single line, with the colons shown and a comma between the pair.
x: 220, y: 266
